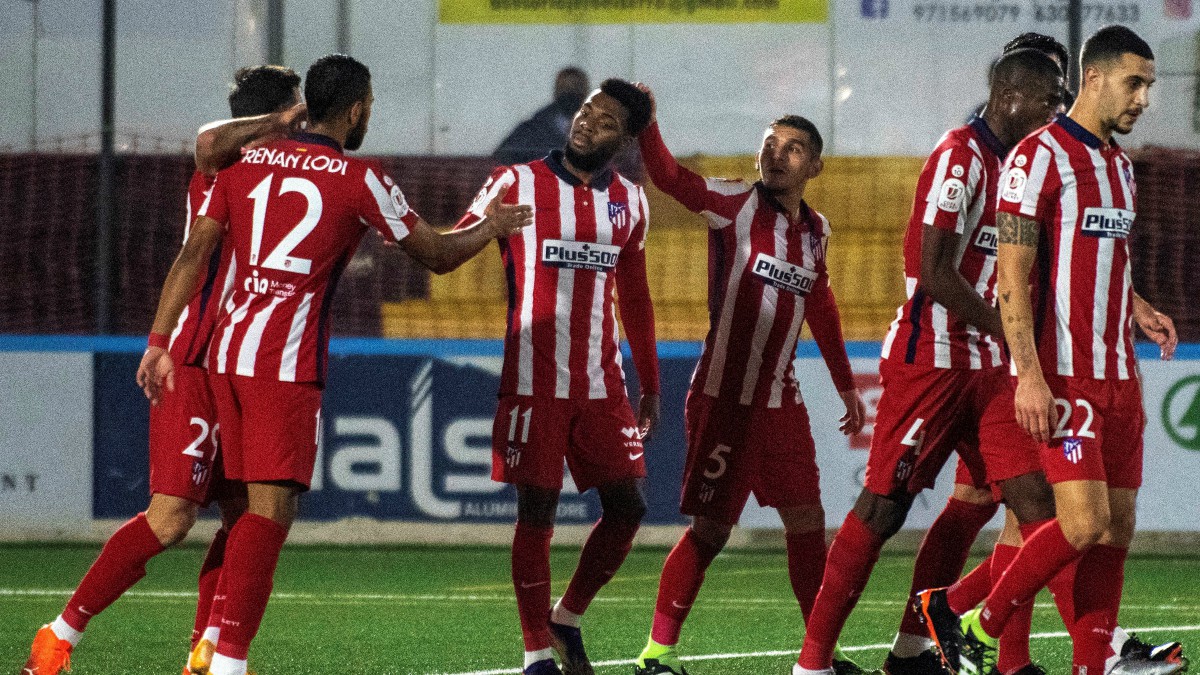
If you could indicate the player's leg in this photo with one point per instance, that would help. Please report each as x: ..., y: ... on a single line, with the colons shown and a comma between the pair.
x: 210, y: 604
x: 536, y: 507
x: 1098, y: 582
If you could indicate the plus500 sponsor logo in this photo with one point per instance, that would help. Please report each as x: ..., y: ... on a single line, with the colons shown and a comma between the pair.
x: 1107, y: 222
x: 579, y: 255
x: 986, y: 240
x: 784, y: 275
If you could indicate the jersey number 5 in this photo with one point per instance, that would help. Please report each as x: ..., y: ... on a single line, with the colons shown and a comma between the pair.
x: 281, y: 258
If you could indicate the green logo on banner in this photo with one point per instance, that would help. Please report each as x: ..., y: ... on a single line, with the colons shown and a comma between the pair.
x: 1181, y: 412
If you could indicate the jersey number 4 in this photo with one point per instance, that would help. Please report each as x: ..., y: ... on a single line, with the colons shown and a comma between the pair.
x: 281, y: 258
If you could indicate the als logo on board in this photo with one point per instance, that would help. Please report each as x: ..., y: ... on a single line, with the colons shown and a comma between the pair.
x: 1181, y: 412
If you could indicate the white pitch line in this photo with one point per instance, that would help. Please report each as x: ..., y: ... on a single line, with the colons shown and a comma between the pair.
x: 790, y: 652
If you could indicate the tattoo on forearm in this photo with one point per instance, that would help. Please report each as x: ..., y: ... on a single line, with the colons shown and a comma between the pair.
x: 1017, y: 230
x: 1005, y: 296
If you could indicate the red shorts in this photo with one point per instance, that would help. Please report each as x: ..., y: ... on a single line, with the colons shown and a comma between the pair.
x: 185, y: 459
x: 598, y: 438
x: 269, y: 429
x: 1099, y: 433
x: 926, y: 413
x: 734, y: 450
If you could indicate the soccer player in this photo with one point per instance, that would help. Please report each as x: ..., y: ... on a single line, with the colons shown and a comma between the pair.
x: 747, y: 426
x: 945, y: 386
x: 1067, y: 203
x: 185, y: 469
x: 562, y: 390
x: 295, y: 210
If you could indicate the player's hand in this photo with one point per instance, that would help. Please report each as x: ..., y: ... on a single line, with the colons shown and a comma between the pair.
x: 291, y: 120
x: 506, y: 219
x: 653, y: 103
x: 856, y: 412
x: 1036, y: 411
x: 156, y: 370
x: 648, y: 413
x: 1157, y: 326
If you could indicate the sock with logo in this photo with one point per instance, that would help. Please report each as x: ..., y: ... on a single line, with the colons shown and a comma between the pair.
x: 531, y: 581
x: 852, y: 556
x: 944, y: 552
x: 120, y: 565
x: 210, y: 576
x: 806, y: 567
x: 601, y: 557
x: 251, y: 555
x: 1014, y: 641
x: 682, y: 575
x: 1043, y: 555
x: 1098, y: 584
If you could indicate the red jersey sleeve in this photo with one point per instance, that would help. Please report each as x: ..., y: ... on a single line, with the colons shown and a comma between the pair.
x: 216, y: 204
x: 953, y: 173
x: 500, y: 178
x: 825, y: 322
x: 1030, y: 184
x: 716, y: 198
x: 382, y: 205
x: 633, y: 301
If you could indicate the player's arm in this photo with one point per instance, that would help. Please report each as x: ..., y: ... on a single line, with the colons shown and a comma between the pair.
x: 825, y: 321
x: 156, y: 368
x: 681, y: 184
x: 443, y: 252
x: 1157, y: 326
x: 219, y: 144
x: 637, y: 318
x: 1015, y: 256
x: 946, y: 285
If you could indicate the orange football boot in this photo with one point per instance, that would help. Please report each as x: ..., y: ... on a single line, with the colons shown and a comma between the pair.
x: 48, y: 655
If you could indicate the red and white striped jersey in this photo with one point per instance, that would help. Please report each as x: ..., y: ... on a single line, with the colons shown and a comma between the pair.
x: 296, y: 210
x: 1082, y: 193
x: 766, y: 275
x: 189, y: 340
x: 586, y: 240
x: 957, y: 193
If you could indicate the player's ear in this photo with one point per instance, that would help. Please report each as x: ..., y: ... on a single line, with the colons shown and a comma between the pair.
x: 356, y: 111
x: 816, y: 168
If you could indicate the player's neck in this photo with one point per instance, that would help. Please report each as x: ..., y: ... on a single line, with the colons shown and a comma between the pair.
x: 333, y: 131
x: 996, y: 123
x: 1084, y: 114
x: 792, y: 201
x: 584, y: 177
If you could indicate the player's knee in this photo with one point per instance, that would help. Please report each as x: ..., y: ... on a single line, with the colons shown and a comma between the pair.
x: 1085, y: 528
x: 536, y: 506
x: 1120, y: 530
x: 231, y: 510
x: 882, y: 515
x: 972, y: 494
x: 631, y: 509
x: 1030, y: 497
x: 802, y: 519
x: 170, y: 526
x: 712, y: 532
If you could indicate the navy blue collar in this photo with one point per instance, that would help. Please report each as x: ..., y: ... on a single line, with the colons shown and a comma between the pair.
x: 600, y: 181
x: 317, y: 139
x: 766, y: 196
x: 1082, y: 135
x: 985, y: 132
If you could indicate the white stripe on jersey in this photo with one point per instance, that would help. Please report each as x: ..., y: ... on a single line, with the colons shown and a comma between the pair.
x: 389, y: 209
x: 604, y: 235
x: 768, y: 306
x: 1069, y: 206
x: 935, y: 189
x: 235, y: 317
x: 728, y: 188
x: 940, y: 319
x: 183, y: 317
x: 564, y: 296
x: 982, y: 287
x: 788, y: 353
x: 1037, y: 176
x: 291, y: 350
x: 1104, y: 259
x: 910, y: 287
x: 248, y: 354
x: 225, y: 297
x: 529, y: 246
x: 1125, y: 325
x: 741, y: 258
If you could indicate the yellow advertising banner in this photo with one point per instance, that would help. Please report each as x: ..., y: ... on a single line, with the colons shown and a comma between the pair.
x: 632, y: 11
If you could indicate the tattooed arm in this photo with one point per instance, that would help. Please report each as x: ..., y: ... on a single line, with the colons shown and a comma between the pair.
x: 1017, y: 250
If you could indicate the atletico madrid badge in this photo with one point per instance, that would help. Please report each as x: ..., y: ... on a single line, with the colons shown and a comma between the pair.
x: 1073, y: 450
x: 618, y: 214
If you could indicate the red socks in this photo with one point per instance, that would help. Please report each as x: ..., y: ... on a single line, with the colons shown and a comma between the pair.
x: 852, y: 556
x: 682, y: 575
x: 251, y: 554
x: 944, y: 552
x: 120, y: 565
x: 602, y: 555
x: 1045, y: 553
x: 806, y: 567
x: 531, y: 581
x: 1098, y: 584
x: 210, y: 574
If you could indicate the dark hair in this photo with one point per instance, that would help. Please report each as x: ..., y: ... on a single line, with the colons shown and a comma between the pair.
x: 258, y: 90
x: 802, y: 124
x: 635, y: 101
x: 333, y: 84
x: 1043, y: 43
x: 1111, y: 42
x: 1016, y: 66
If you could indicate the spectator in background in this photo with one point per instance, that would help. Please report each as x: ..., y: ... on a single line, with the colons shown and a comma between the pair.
x: 547, y: 129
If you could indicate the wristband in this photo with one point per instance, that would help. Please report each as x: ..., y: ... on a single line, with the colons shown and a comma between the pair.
x: 160, y: 340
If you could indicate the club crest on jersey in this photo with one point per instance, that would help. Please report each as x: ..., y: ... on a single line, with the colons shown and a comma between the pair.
x: 986, y: 239
x: 951, y: 198
x: 512, y: 456
x: 1106, y: 222
x: 578, y: 255
x: 707, y: 492
x: 618, y: 214
x: 1014, y: 185
x: 1073, y: 450
x: 199, y: 473
x: 784, y: 275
